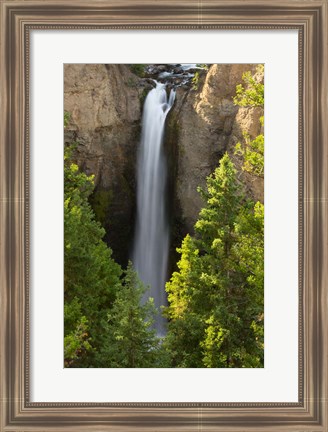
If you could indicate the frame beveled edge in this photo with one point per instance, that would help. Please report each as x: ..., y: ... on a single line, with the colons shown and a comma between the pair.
x: 17, y: 18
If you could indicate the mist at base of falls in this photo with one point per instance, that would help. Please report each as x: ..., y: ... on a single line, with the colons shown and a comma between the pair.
x: 151, y: 244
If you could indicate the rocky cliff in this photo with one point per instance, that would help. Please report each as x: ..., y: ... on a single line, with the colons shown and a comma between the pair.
x: 105, y: 104
x: 205, y: 124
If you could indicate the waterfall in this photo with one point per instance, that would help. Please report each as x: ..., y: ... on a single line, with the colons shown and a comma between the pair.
x: 150, y: 252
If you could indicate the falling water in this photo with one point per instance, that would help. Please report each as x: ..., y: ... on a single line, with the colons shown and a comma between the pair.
x: 151, y: 244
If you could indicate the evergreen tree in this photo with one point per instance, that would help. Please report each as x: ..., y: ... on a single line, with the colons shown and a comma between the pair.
x: 105, y: 323
x: 131, y: 341
x: 186, y: 326
x: 216, y: 297
x: 77, y: 339
x: 91, y: 277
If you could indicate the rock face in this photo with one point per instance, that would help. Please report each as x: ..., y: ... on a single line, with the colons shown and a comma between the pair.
x: 104, y: 102
x: 105, y: 106
x: 206, y: 124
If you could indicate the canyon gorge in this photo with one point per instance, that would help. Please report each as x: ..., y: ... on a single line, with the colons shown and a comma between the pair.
x: 105, y: 104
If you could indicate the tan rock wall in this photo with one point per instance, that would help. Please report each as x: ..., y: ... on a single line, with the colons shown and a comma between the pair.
x: 104, y: 102
x: 208, y: 124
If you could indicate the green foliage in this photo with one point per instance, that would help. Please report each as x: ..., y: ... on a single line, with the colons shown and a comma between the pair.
x: 90, y: 274
x: 252, y: 151
x: 106, y: 325
x: 100, y: 201
x: 77, y: 339
x: 138, y: 69
x: 131, y: 340
x: 67, y: 117
x: 251, y: 93
x: 195, y: 81
x: 216, y: 298
x: 253, y: 154
x: 181, y: 283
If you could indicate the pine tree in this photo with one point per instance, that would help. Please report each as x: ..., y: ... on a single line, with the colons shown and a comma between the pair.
x: 91, y: 277
x: 185, y: 326
x: 216, y: 297
x: 77, y: 339
x: 131, y: 341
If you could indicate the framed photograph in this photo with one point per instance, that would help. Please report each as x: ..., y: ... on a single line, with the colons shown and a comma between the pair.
x: 104, y: 326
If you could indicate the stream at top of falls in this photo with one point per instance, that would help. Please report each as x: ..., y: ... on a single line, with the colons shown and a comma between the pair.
x: 151, y: 243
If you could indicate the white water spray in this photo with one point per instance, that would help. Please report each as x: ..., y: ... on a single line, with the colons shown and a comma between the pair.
x: 150, y: 253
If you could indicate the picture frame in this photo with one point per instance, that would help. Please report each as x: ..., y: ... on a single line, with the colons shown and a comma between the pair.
x: 310, y: 18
